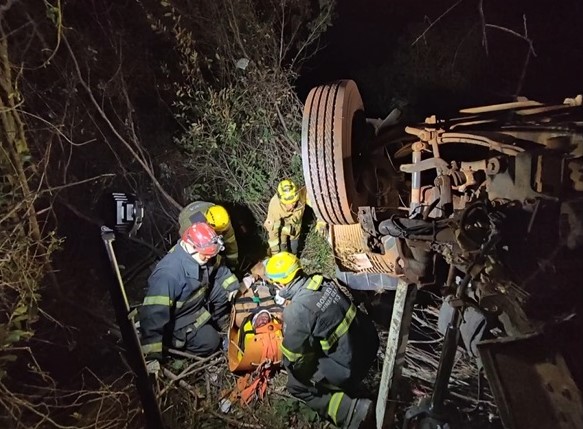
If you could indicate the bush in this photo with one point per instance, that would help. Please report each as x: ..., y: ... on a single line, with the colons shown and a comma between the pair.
x: 236, y: 103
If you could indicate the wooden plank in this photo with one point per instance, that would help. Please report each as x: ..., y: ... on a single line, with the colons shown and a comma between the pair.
x: 394, y: 353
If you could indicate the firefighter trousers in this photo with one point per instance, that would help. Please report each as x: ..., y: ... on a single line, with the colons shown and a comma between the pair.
x: 279, y: 242
x: 336, y: 401
x: 331, y: 402
x: 203, y: 341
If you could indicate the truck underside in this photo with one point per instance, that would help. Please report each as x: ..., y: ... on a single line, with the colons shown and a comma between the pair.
x: 486, y: 209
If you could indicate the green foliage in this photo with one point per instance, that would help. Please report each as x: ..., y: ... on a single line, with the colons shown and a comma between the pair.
x: 317, y: 255
x: 237, y: 105
x: 24, y: 252
x: 234, y: 148
x: 22, y: 271
x: 289, y: 410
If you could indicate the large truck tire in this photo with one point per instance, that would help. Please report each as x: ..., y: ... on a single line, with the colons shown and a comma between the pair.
x: 327, y: 151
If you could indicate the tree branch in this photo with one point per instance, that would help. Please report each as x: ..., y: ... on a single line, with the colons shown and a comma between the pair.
x: 483, y: 23
x: 452, y: 7
x: 6, y: 7
x: 514, y: 33
x: 127, y: 144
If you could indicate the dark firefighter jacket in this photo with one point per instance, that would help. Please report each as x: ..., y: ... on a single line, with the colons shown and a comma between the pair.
x: 182, y: 293
x: 325, y: 336
x: 196, y: 212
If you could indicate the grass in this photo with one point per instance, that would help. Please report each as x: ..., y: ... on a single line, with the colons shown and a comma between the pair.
x: 317, y: 255
x: 278, y: 410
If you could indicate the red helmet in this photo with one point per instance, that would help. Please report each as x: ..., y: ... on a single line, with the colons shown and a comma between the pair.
x: 203, y: 238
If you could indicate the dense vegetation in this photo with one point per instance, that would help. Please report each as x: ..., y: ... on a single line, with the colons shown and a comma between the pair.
x: 176, y: 100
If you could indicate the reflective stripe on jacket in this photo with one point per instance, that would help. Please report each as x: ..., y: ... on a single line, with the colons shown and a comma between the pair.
x: 177, y: 296
x: 196, y: 212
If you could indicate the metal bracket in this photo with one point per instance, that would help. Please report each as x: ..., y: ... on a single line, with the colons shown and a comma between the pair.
x: 427, y: 164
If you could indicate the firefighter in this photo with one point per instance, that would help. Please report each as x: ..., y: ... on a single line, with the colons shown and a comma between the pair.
x: 284, y: 217
x: 188, y: 296
x: 328, y: 344
x: 217, y: 217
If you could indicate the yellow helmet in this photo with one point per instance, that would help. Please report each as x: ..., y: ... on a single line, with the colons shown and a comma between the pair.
x: 282, y: 267
x: 218, y: 218
x: 288, y: 192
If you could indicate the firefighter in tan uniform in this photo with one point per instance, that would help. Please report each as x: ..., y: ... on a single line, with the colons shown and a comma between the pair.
x: 284, y: 217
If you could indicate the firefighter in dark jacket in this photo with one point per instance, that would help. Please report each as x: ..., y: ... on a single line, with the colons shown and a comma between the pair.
x: 328, y: 344
x: 188, y: 296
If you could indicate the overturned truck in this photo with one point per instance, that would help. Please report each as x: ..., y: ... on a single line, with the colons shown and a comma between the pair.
x: 485, y: 208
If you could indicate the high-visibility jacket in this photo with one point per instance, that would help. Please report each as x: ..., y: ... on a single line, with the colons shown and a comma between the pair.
x: 182, y: 293
x: 196, y: 212
x: 325, y: 336
x: 282, y: 222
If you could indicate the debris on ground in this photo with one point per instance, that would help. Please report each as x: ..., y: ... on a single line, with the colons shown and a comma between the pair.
x: 202, y: 392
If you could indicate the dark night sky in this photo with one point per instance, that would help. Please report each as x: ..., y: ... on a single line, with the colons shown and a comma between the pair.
x: 368, y: 34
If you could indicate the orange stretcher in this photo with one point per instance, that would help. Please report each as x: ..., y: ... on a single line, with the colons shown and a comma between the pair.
x: 250, y: 347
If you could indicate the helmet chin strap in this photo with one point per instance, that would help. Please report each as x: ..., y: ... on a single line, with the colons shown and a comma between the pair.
x: 190, y: 250
x: 196, y: 257
x: 193, y: 253
x: 187, y: 247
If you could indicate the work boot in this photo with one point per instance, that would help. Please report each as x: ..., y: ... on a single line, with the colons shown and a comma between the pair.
x: 361, y: 415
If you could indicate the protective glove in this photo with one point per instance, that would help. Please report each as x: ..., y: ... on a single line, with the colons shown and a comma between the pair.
x: 153, y: 367
x: 232, y: 295
x: 322, y: 228
x: 248, y: 280
x: 224, y: 323
x: 279, y: 300
x: 288, y: 230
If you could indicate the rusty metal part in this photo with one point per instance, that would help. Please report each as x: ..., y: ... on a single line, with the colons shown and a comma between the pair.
x: 571, y: 228
x: 498, y: 142
x: 493, y: 166
x: 415, y: 179
x: 480, y: 140
x: 544, y: 109
x: 422, y: 134
x: 404, y: 151
x: 445, y: 203
x: 327, y: 150
x: 559, y: 139
x: 500, y: 107
x: 533, y: 176
x: 575, y: 101
x: 427, y: 164
x: 472, y: 123
x: 575, y: 168
x: 348, y: 242
x: 532, y: 370
x: 366, y: 219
